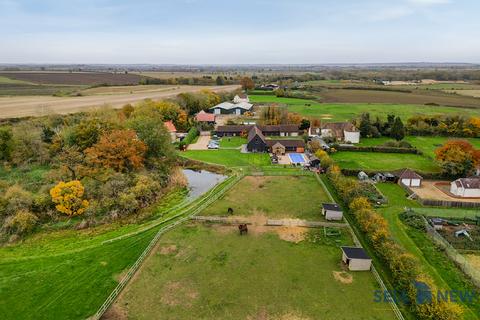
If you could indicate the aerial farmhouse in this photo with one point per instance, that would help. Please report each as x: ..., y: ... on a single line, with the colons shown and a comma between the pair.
x: 339, y: 131
x: 466, y: 187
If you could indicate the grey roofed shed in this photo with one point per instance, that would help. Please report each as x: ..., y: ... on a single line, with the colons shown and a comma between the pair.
x: 356, y: 259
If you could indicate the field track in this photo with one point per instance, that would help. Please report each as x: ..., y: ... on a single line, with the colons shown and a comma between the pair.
x: 12, y: 107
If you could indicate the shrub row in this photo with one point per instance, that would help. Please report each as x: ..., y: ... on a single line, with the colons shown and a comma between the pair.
x: 377, y: 149
x: 191, y: 135
x: 404, y: 267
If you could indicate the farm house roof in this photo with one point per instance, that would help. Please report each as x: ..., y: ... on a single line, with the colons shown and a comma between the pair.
x: 202, y: 116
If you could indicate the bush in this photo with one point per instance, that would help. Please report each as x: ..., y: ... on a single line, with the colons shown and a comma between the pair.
x: 16, y: 199
x: 23, y: 222
x: 191, y: 135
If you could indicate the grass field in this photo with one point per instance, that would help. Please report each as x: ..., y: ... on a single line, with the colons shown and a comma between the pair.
x: 470, y: 93
x: 432, y: 261
x: 426, y: 144
x: 229, y: 158
x: 332, y: 112
x: 208, y: 271
x: 454, y: 213
x: 273, y: 197
x: 383, y: 161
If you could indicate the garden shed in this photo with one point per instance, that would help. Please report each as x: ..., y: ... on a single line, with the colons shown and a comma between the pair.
x: 332, y: 211
x: 356, y: 259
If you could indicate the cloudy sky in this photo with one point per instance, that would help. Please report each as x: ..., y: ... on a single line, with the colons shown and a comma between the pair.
x: 235, y: 32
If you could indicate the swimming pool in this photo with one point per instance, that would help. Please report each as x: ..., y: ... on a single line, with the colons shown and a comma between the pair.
x: 296, y: 158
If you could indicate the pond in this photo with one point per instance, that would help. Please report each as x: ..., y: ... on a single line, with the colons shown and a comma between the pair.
x: 199, y: 182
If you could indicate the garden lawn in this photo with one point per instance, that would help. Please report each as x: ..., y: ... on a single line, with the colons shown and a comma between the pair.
x: 232, y: 142
x: 426, y: 144
x: 274, y: 197
x: 453, y: 213
x: 210, y: 272
x: 432, y: 261
x: 229, y: 158
x: 333, y: 112
x: 377, y: 161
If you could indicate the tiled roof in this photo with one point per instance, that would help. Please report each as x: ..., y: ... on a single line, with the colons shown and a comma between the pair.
x: 469, y: 183
x: 170, y: 126
x: 202, y: 116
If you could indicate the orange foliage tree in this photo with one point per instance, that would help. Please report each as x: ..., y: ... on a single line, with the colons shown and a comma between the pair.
x: 68, y: 197
x: 457, y: 157
x: 120, y: 150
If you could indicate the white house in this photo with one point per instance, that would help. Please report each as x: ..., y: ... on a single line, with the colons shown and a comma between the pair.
x: 409, y: 178
x: 356, y: 259
x: 341, y: 131
x: 232, y: 108
x: 466, y: 187
x: 241, y: 97
x: 332, y: 211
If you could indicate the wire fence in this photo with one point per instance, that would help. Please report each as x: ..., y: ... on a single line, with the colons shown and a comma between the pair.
x: 189, y: 211
x: 458, y: 258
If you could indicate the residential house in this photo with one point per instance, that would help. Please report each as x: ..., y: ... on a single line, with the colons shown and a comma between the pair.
x: 241, y: 97
x: 356, y: 259
x: 284, y: 130
x: 203, y: 117
x: 466, y: 187
x: 232, y: 108
x: 171, y: 129
x: 409, y: 178
x: 340, y: 131
x: 332, y: 211
x: 258, y: 141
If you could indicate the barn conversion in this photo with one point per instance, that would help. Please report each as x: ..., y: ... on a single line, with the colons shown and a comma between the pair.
x: 264, y: 141
x: 466, y: 187
x: 232, y: 108
x: 356, y: 259
x: 203, y: 117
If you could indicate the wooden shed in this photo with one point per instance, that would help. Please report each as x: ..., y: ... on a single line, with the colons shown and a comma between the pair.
x: 332, y: 211
x: 356, y: 259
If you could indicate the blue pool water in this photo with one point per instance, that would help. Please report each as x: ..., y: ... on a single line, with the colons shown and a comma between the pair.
x: 296, y: 158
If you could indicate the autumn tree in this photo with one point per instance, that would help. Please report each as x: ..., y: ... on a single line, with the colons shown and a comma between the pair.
x: 457, y: 157
x: 68, y: 197
x: 247, y: 83
x: 71, y: 159
x: 120, y: 150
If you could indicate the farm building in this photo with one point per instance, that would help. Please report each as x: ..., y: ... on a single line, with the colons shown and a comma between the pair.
x: 340, y: 131
x: 267, y: 130
x: 258, y: 142
x: 171, y: 129
x: 466, y: 187
x: 241, y: 97
x: 356, y: 259
x: 203, y: 117
x: 332, y: 211
x: 409, y: 178
x: 232, y: 108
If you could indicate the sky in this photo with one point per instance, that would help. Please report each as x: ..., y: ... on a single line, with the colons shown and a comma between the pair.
x: 239, y: 32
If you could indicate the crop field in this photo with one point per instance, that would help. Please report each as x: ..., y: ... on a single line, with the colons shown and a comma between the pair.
x: 103, y: 90
x: 74, y: 78
x: 229, y: 158
x: 263, y: 199
x: 417, y: 97
x: 209, y: 271
x: 470, y: 93
x: 333, y: 112
x: 383, y: 161
x: 11, y: 107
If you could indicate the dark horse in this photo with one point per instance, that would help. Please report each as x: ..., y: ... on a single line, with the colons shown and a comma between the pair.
x: 243, y: 228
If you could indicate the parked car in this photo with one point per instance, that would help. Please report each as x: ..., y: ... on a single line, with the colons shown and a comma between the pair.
x: 213, y: 146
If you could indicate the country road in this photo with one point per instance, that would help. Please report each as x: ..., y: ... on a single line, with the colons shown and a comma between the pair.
x: 23, y: 106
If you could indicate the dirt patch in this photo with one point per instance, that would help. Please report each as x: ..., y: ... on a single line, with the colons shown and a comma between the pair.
x: 474, y: 260
x: 177, y: 293
x: 257, y: 182
x: 168, y: 249
x: 115, y: 312
x: 291, y: 234
x: 326, y: 116
x: 293, y: 316
x: 343, y: 277
x: 263, y: 315
x: 435, y: 190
